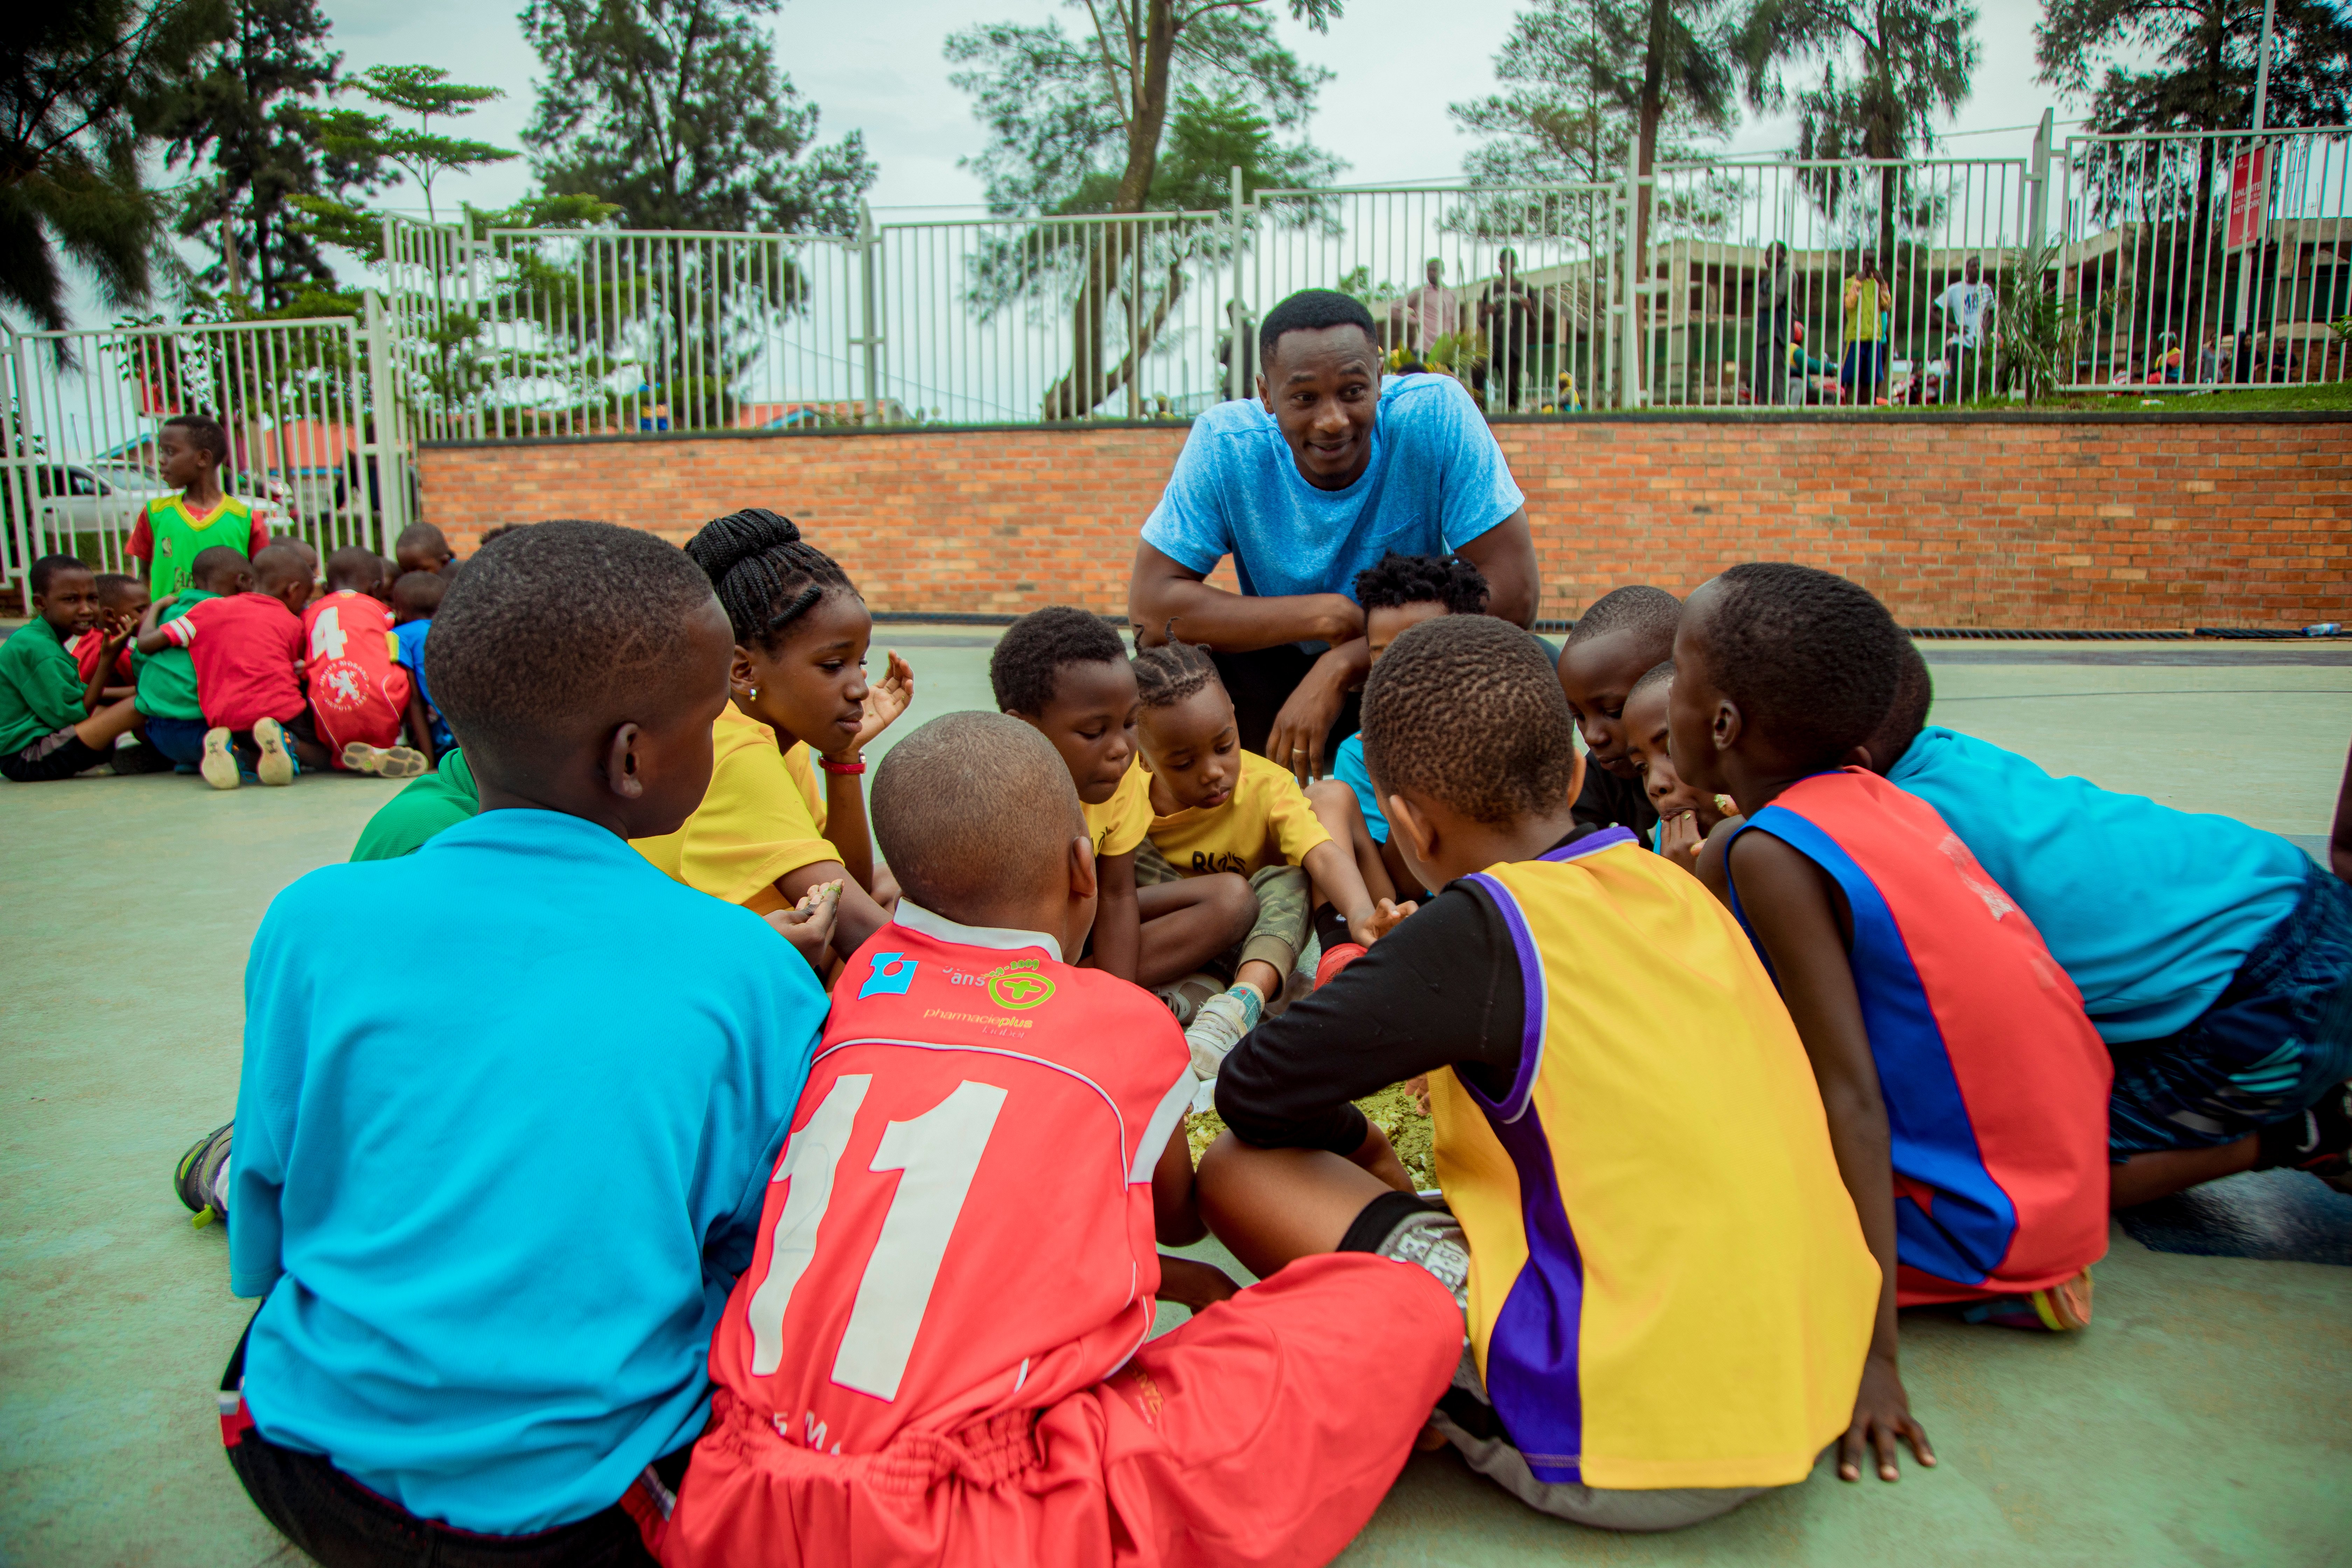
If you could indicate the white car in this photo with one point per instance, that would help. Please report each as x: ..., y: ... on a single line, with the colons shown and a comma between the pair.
x: 107, y: 497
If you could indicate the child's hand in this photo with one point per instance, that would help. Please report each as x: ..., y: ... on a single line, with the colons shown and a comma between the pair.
x: 1193, y: 1284
x: 808, y: 925
x: 887, y: 697
x: 118, y: 629
x: 1369, y: 929
x: 1679, y: 840
x: 1882, y: 1414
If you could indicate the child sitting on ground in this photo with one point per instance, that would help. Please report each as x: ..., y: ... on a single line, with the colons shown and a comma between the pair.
x: 2212, y: 957
x: 1402, y: 591
x: 949, y: 1366
x: 1218, y: 808
x: 494, y: 1219
x: 1686, y: 815
x: 54, y: 722
x: 763, y: 836
x: 1966, y: 1093
x: 358, y: 691
x: 191, y: 450
x: 416, y: 595
x: 421, y: 548
x: 122, y: 601
x: 175, y: 724
x: 247, y: 652
x: 1668, y: 1296
x: 1627, y: 632
x: 1064, y: 672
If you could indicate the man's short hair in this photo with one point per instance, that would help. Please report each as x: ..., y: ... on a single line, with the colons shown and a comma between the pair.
x: 1915, y: 693
x: 1810, y: 657
x: 212, y: 561
x: 48, y: 566
x: 1637, y: 608
x: 205, y: 433
x: 1026, y: 665
x: 562, y: 628
x: 420, y: 592
x: 1312, y: 311
x: 971, y: 806
x: 277, y: 564
x: 1401, y: 580
x: 1466, y: 709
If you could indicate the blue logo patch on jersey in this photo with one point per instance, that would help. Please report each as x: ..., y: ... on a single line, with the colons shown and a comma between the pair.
x: 893, y: 973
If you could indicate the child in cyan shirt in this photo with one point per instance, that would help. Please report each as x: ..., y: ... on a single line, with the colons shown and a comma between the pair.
x: 54, y: 722
x: 1667, y: 1294
x: 1966, y: 1093
x: 1217, y: 808
x: 414, y: 597
x: 1064, y: 672
x: 510, y: 1337
x: 247, y: 652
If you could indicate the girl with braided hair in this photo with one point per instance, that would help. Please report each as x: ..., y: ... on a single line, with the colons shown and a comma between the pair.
x: 765, y: 836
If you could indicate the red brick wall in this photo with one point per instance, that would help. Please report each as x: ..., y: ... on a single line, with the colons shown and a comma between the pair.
x: 2056, y: 522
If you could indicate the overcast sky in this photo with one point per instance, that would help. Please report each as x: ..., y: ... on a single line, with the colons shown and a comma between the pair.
x: 875, y: 65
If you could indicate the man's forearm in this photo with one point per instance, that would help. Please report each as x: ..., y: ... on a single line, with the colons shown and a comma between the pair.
x: 1160, y: 592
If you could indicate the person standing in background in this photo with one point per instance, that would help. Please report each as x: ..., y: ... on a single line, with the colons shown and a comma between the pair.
x: 1869, y: 300
x: 1431, y: 312
x: 1966, y: 306
x: 1507, y: 314
x: 1772, y: 355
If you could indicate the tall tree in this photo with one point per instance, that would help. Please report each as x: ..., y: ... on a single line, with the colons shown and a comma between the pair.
x: 2188, y: 65
x: 1589, y: 81
x: 418, y: 150
x: 1083, y: 123
x: 246, y: 123
x: 674, y: 111
x: 1888, y: 67
x: 74, y: 76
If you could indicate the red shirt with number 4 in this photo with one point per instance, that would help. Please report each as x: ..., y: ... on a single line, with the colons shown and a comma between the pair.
x: 358, y: 691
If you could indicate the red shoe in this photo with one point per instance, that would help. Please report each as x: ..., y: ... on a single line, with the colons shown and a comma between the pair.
x: 1335, y: 959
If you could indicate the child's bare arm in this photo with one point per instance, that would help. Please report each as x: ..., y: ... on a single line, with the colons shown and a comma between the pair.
x: 858, y: 917
x: 1175, y: 1204
x: 1333, y: 871
x: 1118, y: 924
x: 1342, y: 817
x: 149, y: 638
x: 1789, y: 903
x: 420, y: 723
x: 2340, y: 846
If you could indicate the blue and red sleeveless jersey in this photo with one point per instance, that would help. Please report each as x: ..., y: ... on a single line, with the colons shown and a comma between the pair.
x: 961, y: 1223
x: 1995, y: 1082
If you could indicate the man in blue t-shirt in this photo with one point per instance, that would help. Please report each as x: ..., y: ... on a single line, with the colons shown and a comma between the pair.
x: 1330, y: 469
x: 2213, y: 958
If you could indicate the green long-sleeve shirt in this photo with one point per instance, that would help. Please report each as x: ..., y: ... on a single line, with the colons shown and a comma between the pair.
x: 40, y: 688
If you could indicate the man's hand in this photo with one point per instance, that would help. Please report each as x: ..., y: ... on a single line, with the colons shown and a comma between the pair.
x: 886, y: 699
x: 808, y: 925
x: 1882, y: 1414
x: 1369, y: 926
x: 1296, y: 741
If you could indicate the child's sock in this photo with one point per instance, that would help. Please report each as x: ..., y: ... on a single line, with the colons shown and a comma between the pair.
x: 1220, y: 1025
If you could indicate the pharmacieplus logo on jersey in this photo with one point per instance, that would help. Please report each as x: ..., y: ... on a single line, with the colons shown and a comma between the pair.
x: 1019, y: 986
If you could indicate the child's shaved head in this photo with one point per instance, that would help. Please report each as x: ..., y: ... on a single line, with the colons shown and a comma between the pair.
x: 354, y: 566
x: 1810, y: 659
x: 216, y: 568
x: 419, y: 592
x: 277, y: 566
x: 1648, y: 612
x: 973, y: 809
x: 1915, y: 693
x: 1464, y: 710
x: 564, y: 632
x: 117, y: 590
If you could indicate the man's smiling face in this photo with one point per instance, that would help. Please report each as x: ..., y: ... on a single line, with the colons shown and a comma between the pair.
x: 1323, y: 388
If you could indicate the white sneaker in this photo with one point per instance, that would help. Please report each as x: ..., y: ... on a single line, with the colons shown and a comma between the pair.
x: 277, y: 764
x: 1216, y: 1029
x: 383, y: 762
x: 219, y: 766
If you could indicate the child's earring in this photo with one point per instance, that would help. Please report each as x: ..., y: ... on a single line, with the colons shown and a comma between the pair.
x: 755, y: 694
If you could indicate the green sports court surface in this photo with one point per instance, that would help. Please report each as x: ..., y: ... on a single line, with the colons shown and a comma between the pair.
x: 2201, y: 1420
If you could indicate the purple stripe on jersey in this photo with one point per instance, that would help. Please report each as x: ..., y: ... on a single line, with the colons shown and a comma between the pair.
x: 1592, y: 843
x: 1531, y: 983
x: 1533, y: 1376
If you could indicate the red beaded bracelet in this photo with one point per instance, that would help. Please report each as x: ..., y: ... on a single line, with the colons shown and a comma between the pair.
x: 829, y: 765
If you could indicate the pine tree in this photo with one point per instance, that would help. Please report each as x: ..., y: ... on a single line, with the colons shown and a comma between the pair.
x: 2188, y: 65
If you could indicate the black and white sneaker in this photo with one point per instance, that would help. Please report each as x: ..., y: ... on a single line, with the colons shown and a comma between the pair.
x: 2318, y: 1141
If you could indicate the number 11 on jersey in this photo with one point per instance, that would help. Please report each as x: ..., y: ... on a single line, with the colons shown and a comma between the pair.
x: 935, y: 1155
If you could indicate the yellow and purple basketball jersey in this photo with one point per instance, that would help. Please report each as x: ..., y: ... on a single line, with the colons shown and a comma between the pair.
x: 1995, y: 1082
x: 1668, y: 1285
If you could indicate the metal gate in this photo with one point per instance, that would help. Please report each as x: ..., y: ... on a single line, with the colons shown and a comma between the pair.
x: 314, y: 432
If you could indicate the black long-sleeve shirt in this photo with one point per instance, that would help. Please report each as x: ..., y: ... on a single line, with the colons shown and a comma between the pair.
x: 1443, y: 989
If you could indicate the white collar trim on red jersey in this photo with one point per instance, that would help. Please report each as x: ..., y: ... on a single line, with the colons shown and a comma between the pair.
x: 913, y: 917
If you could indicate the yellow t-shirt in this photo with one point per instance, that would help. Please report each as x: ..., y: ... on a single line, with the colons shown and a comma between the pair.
x: 761, y: 817
x: 1266, y: 821
x: 1123, y: 821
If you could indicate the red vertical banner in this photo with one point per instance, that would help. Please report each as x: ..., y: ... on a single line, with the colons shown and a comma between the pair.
x: 2249, y: 189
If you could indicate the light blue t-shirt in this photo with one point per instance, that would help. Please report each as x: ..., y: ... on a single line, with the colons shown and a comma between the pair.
x: 409, y: 637
x: 2150, y: 910
x: 496, y: 1200
x: 1348, y: 767
x: 1436, y: 480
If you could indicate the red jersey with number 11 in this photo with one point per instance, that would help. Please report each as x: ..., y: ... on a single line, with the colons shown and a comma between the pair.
x: 961, y: 1223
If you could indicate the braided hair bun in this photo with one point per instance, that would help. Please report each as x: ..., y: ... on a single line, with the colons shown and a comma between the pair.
x: 765, y: 575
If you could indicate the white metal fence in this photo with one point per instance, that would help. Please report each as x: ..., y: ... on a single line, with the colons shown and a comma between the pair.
x: 2115, y: 264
